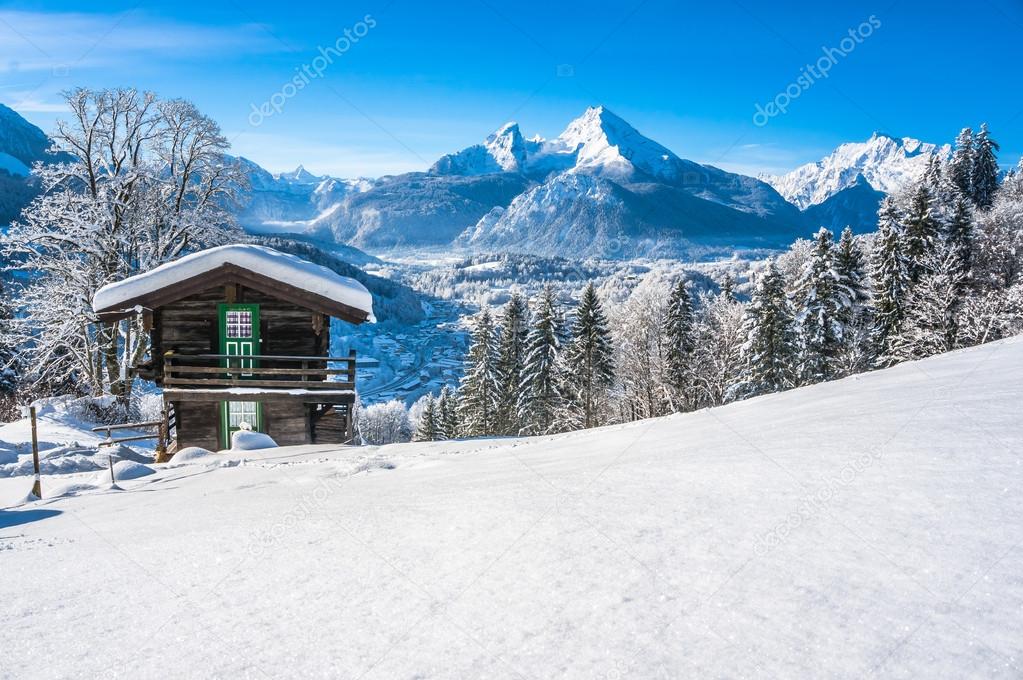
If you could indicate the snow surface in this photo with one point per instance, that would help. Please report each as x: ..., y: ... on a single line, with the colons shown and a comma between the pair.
x: 283, y: 267
x: 868, y: 527
x: 887, y: 164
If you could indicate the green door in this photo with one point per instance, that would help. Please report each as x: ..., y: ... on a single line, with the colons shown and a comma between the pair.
x: 239, y: 337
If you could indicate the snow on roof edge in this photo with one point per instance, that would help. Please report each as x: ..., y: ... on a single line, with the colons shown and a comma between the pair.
x: 283, y: 267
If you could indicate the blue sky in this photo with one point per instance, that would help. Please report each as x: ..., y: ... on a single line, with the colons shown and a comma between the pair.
x: 410, y: 81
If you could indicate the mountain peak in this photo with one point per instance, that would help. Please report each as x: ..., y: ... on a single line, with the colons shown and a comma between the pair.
x: 883, y: 162
x: 509, y: 128
x: 604, y: 142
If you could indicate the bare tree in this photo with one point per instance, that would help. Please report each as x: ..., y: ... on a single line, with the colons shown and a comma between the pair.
x: 149, y: 181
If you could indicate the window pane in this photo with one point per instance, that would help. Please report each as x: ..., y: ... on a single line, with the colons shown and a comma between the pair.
x: 239, y: 412
x: 239, y: 324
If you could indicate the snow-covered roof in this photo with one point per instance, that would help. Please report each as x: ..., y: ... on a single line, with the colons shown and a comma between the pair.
x: 263, y: 262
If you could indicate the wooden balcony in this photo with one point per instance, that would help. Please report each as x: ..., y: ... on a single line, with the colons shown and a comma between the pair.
x: 265, y: 377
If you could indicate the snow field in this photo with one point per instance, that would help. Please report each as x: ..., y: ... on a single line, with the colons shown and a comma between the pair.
x: 869, y: 526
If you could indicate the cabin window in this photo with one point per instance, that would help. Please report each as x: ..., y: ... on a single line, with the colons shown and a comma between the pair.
x: 239, y: 323
x: 239, y: 412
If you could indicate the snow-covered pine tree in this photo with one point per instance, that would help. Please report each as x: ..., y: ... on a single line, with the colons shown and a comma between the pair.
x: 542, y: 391
x: 821, y: 308
x: 589, y: 357
x: 932, y: 310
x: 960, y: 167
x: 933, y: 175
x: 851, y: 267
x: 428, y: 429
x: 921, y: 232
x: 985, y: 169
x: 511, y: 354
x: 771, y: 352
x: 728, y: 286
x: 680, y: 340
x: 447, y: 413
x: 479, y: 387
x: 890, y: 282
x: 959, y: 233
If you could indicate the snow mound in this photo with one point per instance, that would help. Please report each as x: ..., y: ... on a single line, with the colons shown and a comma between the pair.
x: 283, y: 267
x: 129, y: 469
x: 191, y: 454
x: 247, y: 440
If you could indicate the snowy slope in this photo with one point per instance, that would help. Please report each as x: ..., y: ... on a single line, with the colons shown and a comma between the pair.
x: 886, y: 163
x: 864, y: 528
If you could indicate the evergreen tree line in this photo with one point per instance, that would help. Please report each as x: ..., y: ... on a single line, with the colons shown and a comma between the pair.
x: 943, y: 271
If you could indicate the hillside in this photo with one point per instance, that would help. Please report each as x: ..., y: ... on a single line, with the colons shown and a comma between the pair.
x: 858, y: 528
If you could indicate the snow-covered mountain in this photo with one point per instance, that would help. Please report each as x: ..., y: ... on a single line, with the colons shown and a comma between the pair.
x: 21, y: 145
x: 607, y: 190
x: 598, y: 142
x: 598, y: 188
x: 886, y: 163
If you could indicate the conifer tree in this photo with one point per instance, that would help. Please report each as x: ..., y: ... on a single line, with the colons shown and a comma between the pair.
x: 890, y: 280
x: 728, y: 287
x: 933, y: 175
x: 770, y: 354
x: 921, y: 232
x: 960, y: 234
x: 541, y: 392
x: 428, y: 429
x: 590, y: 356
x: 511, y: 354
x: 932, y: 311
x: 447, y: 413
x: 821, y: 308
x: 985, y: 169
x: 851, y: 267
x: 479, y: 388
x: 680, y: 338
x: 960, y: 167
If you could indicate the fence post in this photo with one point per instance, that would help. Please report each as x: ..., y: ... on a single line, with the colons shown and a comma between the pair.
x: 163, y: 436
x: 37, y: 489
x: 110, y: 462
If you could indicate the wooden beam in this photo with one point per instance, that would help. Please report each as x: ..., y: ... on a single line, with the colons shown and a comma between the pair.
x: 172, y: 395
x: 245, y: 382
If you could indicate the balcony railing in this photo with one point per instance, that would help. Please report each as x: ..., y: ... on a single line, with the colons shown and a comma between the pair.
x: 268, y: 371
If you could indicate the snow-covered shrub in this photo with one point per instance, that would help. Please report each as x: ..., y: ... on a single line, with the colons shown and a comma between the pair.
x: 105, y: 410
x: 385, y: 423
x: 147, y: 406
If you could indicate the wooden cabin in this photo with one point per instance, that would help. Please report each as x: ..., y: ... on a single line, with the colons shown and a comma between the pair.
x: 240, y: 338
